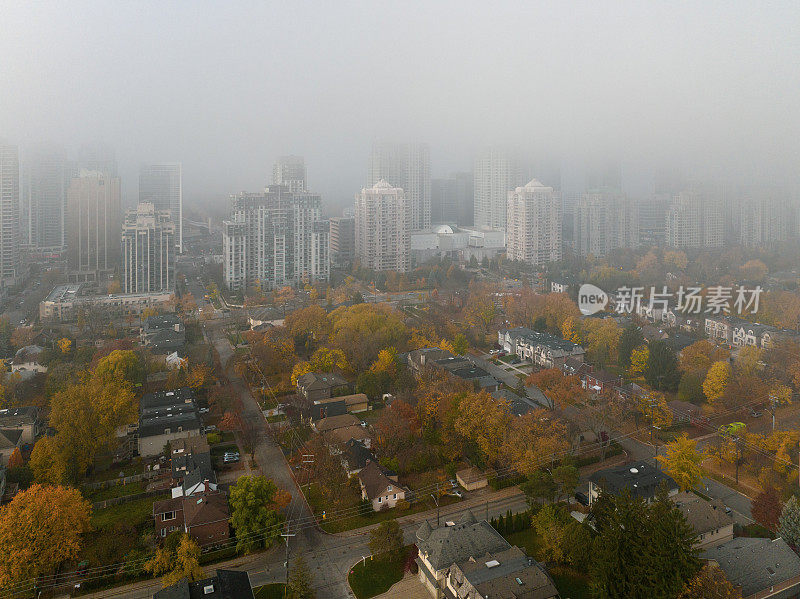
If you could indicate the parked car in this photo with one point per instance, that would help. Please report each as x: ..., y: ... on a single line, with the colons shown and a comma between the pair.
x: 453, y: 483
x: 204, y: 410
x: 210, y: 428
x: 457, y: 493
x: 755, y: 413
x: 230, y: 458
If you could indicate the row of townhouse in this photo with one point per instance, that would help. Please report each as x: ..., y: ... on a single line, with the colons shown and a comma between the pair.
x: 543, y: 349
x: 742, y: 333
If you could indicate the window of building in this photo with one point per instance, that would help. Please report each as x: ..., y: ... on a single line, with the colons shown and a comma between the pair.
x: 167, y: 516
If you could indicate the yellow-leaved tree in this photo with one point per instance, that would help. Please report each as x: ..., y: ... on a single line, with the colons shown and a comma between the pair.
x: 182, y: 562
x: 40, y: 529
x: 682, y: 461
x: 717, y: 380
x: 639, y: 357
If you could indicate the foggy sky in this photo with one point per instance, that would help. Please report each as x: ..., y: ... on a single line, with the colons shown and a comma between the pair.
x: 226, y: 87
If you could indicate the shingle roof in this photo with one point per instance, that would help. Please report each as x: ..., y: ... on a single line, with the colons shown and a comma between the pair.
x: 333, y: 422
x: 755, y: 564
x: 375, y: 479
x: 703, y: 516
x: 448, y: 545
x: 516, y: 575
x: 152, y: 426
x: 320, y: 380
x: 205, y: 508
x: 12, y: 417
x: 227, y: 584
x: 9, y: 437
x: 640, y: 478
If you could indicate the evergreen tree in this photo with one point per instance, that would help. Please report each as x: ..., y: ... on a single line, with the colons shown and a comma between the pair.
x: 641, y: 551
x: 789, y: 522
x: 631, y: 338
x: 661, y: 372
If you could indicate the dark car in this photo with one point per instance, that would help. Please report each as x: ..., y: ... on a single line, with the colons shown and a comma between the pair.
x: 581, y: 498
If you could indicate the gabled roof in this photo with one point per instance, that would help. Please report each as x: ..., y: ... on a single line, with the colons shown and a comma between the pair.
x: 9, y: 437
x: 356, y: 454
x: 375, y: 479
x: 333, y: 422
x: 508, y: 573
x: 755, y: 564
x: 204, y: 509
x: 448, y: 545
x: 703, y: 516
x: 320, y: 380
x: 13, y: 417
x: 29, y: 353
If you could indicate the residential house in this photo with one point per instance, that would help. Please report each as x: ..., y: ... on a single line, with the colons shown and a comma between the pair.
x: 379, y: 485
x: 543, y: 349
x: 159, y: 427
x: 640, y: 478
x: 759, y: 568
x: 163, y: 334
x: 718, y: 328
x: 516, y: 404
x: 27, y: 361
x: 652, y: 334
x: 576, y: 367
x: 314, y: 386
x: 683, y: 412
x: 204, y: 516
x: 464, y: 369
x: 227, y: 584
x: 331, y: 423
x: 631, y: 391
x: 355, y: 455
x: 336, y: 406
x: 708, y: 519
x: 601, y: 381
x: 10, y: 439
x: 507, y: 573
x: 3, y: 472
x: 163, y: 399
x: 338, y: 430
x: 25, y: 418
x: 469, y: 559
x: 418, y: 359
x: 472, y: 479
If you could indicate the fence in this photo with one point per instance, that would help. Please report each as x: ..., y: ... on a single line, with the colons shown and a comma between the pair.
x: 133, y: 478
x: 99, y: 505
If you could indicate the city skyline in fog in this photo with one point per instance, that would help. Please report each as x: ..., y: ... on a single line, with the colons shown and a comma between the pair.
x: 225, y: 90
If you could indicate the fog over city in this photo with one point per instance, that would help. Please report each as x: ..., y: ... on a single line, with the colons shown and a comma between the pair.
x: 710, y: 88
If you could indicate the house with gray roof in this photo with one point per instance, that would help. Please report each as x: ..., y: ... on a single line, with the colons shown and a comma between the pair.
x: 758, y: 567
x: 379, y: 485
x: 640, y: 478
x: 711, y: 524
x: 314, y: 386
x: 455, y: 561
x: 25, y: 418
x: 10, y: 439
x: 543, y: 349
x: 227, y: 584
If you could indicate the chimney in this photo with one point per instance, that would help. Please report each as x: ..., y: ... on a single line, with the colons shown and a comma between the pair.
x: 205, y: 485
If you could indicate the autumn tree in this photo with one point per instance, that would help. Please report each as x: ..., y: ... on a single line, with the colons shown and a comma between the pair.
x: 638, y: 360
x: 701, y: 354
x: 309, y: 327
x: 682, y: 461
x: 559, y: 389
x: 22, y: 336
x: 710, y: 583
x: 15, y: 459
x: 483, y: 420
x: 566, y: 479
x: 322, y: 360
x: 361, y: 331
x: 779, y: 395
x: 691, y: 387
x: 533, y: 439
x: 675, y: 260
x: 766, y: 508
x: 570, y: 330
x: 40, y: 529
x: 255, y: 501
x: 749, y: 360
x: 300, y: 580
x: 120, y: 366
x: 550, y: 523
x: 601, y: 339
x: 653, y: 406
x: 717, y: 380
x: 182, y: 563
x: 86, y: 417
x: 386, y: 539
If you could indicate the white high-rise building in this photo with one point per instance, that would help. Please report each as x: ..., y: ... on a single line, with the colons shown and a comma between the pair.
x: 764, y: 220
x: 533, y: 230
x: 47, y: 175
x: 162, y: 186
x: 496, y: 174
x: 9, y: 215
x: 406, y: 166
x: 382, y: 228
x: 605, y: 221
x: 274, y: 239
x: 290, y: 171
x: 693, y: 220
x: 148, y: 250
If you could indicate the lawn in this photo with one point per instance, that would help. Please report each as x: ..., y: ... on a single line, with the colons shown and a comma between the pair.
x: 269, y: 591
x: 359, y: 520
x: 375, y: 576
x: 114, y: 492
x: 135, y: 513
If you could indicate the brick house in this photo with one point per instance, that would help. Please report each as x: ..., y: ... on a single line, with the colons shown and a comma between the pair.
x: 204, y: 516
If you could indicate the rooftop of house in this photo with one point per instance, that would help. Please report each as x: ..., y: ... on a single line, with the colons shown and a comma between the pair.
x: 320, y: 380
x: 357, y: 454
x: 755, y: 564
x: 376, y: 478
x: 333, y: 422
x: 9, y: 437
x: 517, y: 405
x: 152, y: 426
x: 448, y: 545
x: 27, y: 354
x: 161, y: 322
x: 11, y: 417
x: 604, y: 376
x: 190, y: 445
x: 640, y: 478
x: 508, y: 573
x: 703, y: 516
x: 227, y: 584
x: 166, y: 398
x: 205, y: 508
x: 347, y: 433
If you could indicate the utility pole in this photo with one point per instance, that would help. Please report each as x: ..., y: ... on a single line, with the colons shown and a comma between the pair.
x: 773, y: 401
x: 286, y: 536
